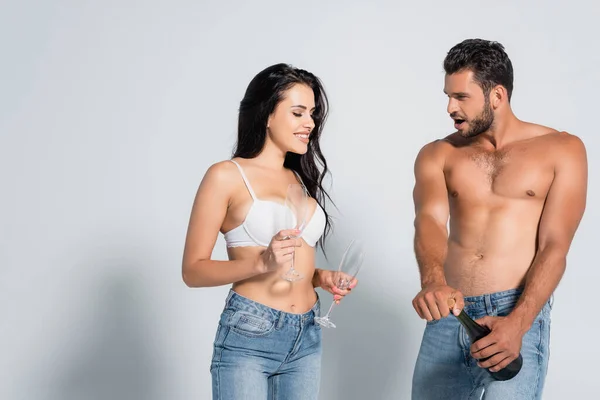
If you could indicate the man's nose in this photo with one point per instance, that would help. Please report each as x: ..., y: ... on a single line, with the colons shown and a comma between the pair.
x: 452, y: 106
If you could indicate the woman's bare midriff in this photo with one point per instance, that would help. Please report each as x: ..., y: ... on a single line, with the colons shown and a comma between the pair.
x: 271, y: 289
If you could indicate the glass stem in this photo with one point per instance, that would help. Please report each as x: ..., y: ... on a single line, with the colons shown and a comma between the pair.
x: 292, y: 263
x: 293, y: 256
x: 330, y: 308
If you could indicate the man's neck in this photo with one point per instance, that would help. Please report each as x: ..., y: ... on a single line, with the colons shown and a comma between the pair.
x: 503, y: 131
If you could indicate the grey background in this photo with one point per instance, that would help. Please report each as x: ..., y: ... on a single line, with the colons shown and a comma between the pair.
x: 111, y: 112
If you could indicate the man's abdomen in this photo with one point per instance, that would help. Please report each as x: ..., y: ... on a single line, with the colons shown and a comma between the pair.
x: 491, y: 249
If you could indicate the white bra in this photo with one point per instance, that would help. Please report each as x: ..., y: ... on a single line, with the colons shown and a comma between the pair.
x: 266, y: 218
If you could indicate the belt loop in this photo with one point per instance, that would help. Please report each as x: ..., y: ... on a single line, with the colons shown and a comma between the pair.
x: 488, y: 304
x: 280, y: 319
x: 228, y: 299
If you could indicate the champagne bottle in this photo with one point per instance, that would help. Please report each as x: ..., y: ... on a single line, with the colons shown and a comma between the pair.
x: 476, y: 332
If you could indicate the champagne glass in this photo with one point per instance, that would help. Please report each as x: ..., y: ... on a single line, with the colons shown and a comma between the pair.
x: 350, y: 264
x: 296, y: 203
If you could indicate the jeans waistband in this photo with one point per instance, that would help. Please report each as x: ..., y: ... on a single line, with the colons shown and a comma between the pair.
x: 490, y: 302
x: 241, y: 303
x: 495, y: 299
x: 498, y: 301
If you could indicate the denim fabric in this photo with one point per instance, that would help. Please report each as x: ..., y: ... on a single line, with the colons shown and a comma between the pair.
x: 445, y: 368
x: 261, y: 353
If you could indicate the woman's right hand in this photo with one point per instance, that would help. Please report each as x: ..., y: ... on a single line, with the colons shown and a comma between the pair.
x: 280, y: 251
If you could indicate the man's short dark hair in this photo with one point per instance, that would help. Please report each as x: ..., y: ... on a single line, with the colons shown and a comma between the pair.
x: 488, y: 61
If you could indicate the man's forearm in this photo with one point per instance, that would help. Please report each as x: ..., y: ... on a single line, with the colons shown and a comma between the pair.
x: 542, y: 279
x: 430, y: 245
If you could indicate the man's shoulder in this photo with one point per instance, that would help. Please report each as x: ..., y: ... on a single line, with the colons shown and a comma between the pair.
x: 446, y: 142
x: 561, y: 147
x: 554, y: 138
x: 567, y: 146
x: 565, y: 138
x: 437, y: 150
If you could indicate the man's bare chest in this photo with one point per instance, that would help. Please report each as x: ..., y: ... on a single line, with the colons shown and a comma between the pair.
x: 482, y: 175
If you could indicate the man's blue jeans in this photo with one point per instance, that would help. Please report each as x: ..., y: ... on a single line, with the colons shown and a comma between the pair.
x: 445, y: 368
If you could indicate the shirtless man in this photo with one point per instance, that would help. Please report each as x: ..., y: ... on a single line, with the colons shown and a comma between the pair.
x: 515, y: 193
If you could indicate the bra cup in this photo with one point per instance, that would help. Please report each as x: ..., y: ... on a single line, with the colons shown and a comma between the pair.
x: 265, y: 220
x: 314, y: 228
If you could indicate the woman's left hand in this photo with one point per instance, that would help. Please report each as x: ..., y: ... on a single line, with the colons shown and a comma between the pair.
x: 325, y: 279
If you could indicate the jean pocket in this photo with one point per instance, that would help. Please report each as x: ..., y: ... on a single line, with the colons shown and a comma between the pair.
x: 251, y: 325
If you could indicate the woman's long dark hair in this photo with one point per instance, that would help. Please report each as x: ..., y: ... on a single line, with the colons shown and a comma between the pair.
x: 263, y: 94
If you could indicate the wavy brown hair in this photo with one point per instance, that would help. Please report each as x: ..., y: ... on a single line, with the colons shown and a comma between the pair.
x: 263, y: 94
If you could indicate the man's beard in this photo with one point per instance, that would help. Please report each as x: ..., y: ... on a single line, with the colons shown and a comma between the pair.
x: 480, y: 123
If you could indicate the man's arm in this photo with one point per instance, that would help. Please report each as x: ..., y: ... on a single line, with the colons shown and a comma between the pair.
x: 430, y: 198
x: 561, y: 216
x: 431, y: 235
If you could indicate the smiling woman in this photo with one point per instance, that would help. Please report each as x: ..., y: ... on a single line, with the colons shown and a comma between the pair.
x: 267, y: 340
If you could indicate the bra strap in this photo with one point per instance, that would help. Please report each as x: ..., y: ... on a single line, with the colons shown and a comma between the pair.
x: 245, y: 180
x: 300, y: 180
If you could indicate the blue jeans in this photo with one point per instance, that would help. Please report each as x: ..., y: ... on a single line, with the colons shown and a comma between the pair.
x: 261, y: 353
x: 445, y: 368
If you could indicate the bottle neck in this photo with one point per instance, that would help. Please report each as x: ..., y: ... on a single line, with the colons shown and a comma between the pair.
x: 474, y: 330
